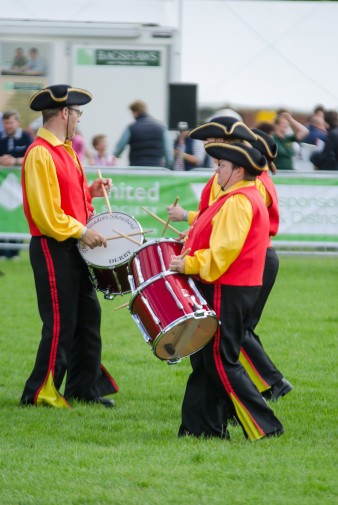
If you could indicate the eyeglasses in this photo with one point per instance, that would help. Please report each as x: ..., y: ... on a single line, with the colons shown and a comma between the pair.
x: 78, y: 111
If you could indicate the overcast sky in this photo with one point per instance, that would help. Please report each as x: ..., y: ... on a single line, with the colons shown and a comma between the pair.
x: 242, y: 53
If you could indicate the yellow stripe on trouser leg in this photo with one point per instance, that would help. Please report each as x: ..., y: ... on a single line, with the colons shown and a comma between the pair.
x: 49, y: 395
x: 256, y: 379
x: 248, y: 424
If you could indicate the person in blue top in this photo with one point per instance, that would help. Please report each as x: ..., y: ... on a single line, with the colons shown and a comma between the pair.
x: 14, y: 141
x: 149, y: 140
x: 317, y: 130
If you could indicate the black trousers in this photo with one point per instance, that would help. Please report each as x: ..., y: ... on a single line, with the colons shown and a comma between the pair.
x: 71, y: 316
x: 252, y: 347
x: 218, y: 382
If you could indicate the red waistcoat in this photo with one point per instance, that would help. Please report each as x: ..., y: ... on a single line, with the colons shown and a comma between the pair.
x: 205, y: 195
x: 247, y: 269
x: 74, y: 191
x: 273, y: 208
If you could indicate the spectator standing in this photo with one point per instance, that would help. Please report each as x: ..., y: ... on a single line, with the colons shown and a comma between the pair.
x: 327, y: 158
x: 319, y: 110
x: 149, y: 140
x: 317, y: 130
x: 14, y: 143
x: 284, y: 140
x: 189, y: 153
x: 101, y: 157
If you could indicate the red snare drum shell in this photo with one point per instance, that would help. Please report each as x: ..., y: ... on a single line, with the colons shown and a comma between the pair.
x: 153, y: 258
x: 169, y: 313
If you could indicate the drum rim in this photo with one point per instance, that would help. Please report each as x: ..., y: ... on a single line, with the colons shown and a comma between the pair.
x: 95, y: 282
x: 126, y: 262
x: 209, y: 313
x: 155, y: 240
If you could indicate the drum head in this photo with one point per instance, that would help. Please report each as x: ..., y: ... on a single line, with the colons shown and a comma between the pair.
x: 119, y: 250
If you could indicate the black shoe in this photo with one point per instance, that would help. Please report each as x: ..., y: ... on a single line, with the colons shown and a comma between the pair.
x: 106, y: 402
x: 276, y: 433
x: 281, y: 388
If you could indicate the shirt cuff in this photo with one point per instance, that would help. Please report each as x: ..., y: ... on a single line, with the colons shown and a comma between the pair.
x: 191, y: 266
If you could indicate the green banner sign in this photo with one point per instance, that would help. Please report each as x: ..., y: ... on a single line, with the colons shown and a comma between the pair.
x: 120, y: 57
x: 128, y: 57
x: 308, y: 205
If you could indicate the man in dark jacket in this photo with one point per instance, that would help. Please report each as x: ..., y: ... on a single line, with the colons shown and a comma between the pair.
x: 14, y: 143
x: 148, y: 138
x: 327, y: 159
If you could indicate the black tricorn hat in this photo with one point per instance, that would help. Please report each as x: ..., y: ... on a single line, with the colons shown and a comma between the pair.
x: 265, y: 143
x: 239, y: 154
x: 58, y: 96
x: 225, y: 127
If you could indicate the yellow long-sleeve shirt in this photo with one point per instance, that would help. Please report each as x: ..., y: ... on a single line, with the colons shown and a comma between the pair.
x: 230, y: 228
x: 43, y: 192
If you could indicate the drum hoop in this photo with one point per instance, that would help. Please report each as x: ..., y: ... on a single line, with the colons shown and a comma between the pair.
x: 209, y: 313
x: 155, y: 241
x: 126, y: 262
x: 111, y: 213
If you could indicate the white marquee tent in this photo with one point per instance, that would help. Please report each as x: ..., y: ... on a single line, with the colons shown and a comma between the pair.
x: 264, y: 54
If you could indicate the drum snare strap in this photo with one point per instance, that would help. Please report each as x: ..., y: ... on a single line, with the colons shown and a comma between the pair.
x: 196, y: 291
x: 171, y: 291
x: 159, y: 252
x: 152, y: 313
x: 139, y: 270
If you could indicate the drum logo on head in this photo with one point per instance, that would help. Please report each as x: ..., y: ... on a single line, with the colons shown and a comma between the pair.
x: 121, y: 258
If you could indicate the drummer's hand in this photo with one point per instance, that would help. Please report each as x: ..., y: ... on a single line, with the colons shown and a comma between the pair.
x: 93, y: 239
x: 175, y: 212
x: 183, y: 235
x: 96, y: 188
x: 177, y: 264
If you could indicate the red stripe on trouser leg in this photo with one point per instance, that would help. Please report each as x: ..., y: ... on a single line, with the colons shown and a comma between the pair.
x: 219, y: 365
x: 55, y: 311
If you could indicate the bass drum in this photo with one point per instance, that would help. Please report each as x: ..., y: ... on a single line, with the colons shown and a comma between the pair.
x: 108, y: 266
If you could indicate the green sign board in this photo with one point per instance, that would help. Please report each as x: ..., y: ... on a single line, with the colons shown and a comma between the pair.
x: 119, y: 57
x: 128, y: 57
x: 308, y: 205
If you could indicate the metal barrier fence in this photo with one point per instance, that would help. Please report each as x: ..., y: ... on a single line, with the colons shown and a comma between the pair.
x: 308, y: 204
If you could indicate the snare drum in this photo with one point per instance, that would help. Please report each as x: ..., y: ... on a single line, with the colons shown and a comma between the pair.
x: 108, y: 266
x: 172, y: 316
x: 151, y: 259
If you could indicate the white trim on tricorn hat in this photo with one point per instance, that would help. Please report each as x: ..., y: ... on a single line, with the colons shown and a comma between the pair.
x: 242, y: 155
x: 58, y: 96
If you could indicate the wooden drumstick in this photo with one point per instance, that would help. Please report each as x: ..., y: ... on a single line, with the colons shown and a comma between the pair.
x: 104, y: 191
x: 122, y: 306
x: 130, y: 234
x: 187, y: 251
x: 168, y: 220
x: 161, y: 220
x: 126, y: 236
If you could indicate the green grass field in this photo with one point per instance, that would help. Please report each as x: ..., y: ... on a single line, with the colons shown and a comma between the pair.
x: 131, y: 455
